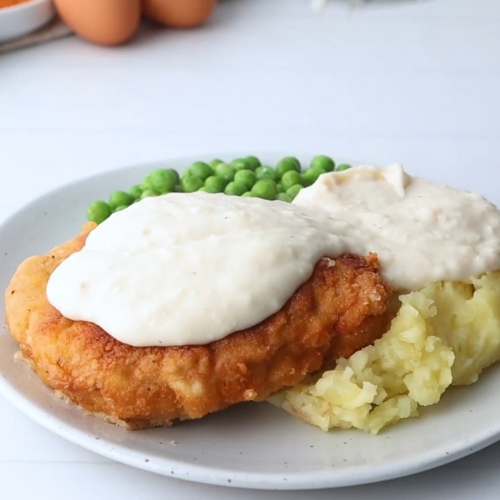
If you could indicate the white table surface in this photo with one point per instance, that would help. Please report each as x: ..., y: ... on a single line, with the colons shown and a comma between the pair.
x: 414, y: 82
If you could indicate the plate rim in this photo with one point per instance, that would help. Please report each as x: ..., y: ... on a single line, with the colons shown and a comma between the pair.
x: 432, y: 458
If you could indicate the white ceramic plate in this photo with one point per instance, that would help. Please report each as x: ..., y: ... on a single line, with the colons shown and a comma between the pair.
x: 24, y: 18
x: 252, y: 445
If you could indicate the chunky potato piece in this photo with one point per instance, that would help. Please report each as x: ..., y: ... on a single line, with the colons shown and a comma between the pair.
x: 444, y: 334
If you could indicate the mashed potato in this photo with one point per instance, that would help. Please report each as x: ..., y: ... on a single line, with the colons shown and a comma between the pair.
x: 445, y: 334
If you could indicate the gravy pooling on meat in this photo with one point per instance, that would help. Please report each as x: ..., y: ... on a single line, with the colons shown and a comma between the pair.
x: 339, y: 310
x: 190, y: 269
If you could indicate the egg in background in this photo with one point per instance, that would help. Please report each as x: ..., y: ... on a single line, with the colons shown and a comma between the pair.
x: 179, y: 13
x: 107, y: 22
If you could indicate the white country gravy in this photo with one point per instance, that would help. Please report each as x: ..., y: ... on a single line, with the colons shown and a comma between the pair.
x: 422, y: 232
x: 185, y: 269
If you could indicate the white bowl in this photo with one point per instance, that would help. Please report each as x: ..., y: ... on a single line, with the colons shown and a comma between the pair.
x: 23, y: 18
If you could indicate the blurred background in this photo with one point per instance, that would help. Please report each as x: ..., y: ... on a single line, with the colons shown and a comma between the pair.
x: 377, y: 81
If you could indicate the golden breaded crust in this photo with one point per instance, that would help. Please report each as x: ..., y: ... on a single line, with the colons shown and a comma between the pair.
x: 339, y: 310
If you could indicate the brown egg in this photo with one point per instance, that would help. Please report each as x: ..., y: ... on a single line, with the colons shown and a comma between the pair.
x: 108, y: 22
x: 179, y: 13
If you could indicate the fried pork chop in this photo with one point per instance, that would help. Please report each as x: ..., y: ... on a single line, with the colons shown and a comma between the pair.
x: 338, y: 311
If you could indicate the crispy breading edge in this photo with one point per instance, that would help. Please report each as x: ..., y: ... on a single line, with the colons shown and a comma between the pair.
x: 342, y: 308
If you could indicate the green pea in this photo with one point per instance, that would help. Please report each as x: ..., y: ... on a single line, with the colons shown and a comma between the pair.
x: 135, y: 192
x: 145, y: 183
x: 157, y: 176
x: 119, y: 198
x: 343, y: 167
x: 248, y: 194
x: 147, y: 193
x: 247, y: 177
x: 265, y: 188
x: 286, y: 164
x: 175, y: 173
x: 98, y: 211
x: 280, y: 188
x: 209, y: 189
x: 162, y: 180
x: 294, y: 190
x: 215, y: 162
x: 285, y: 197
x: 324, y: 163
x: 267, y: 173
x: 291, y: 178
x: 225, y: 171
x: 241, y: 164
x: 200, y: 169
x: 190, y: 184
x: 254, y: 162
x: 215, y: 182
x: 270, y: 181
x: 311, y: 176
x: 235, y: 188
x: 119, y: 209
